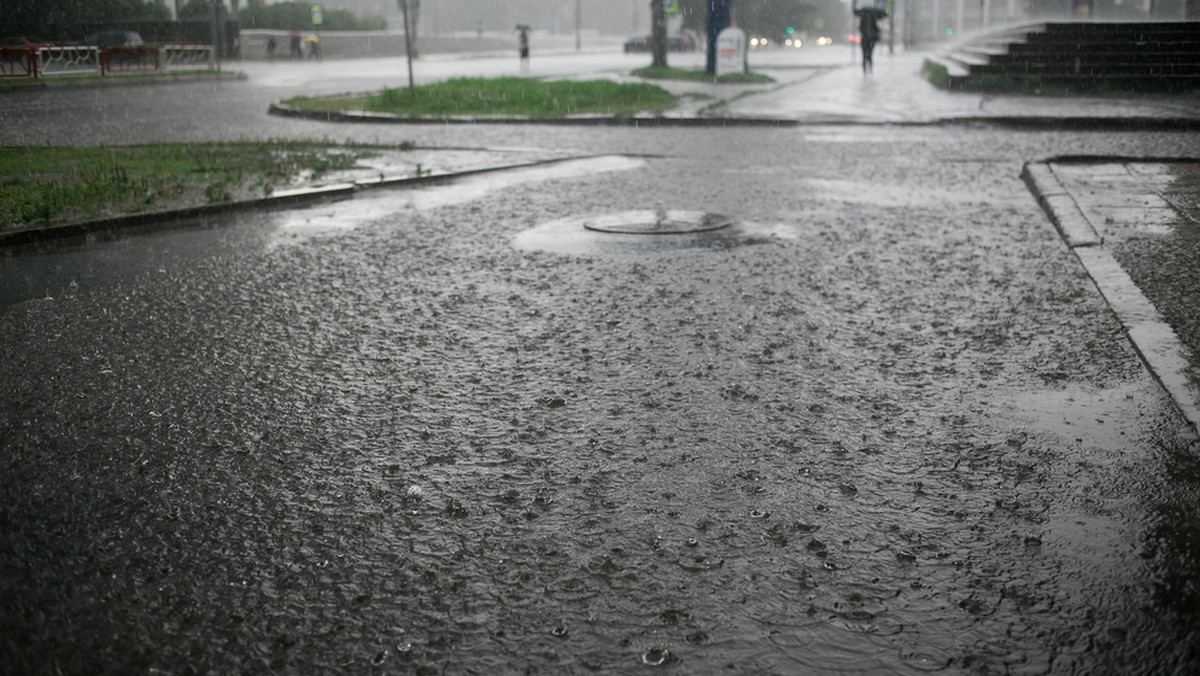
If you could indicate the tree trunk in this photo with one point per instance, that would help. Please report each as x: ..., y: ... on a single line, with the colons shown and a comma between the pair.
x: 658, y: 33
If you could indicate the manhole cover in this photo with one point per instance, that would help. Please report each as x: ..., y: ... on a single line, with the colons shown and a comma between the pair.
x: 657, y: 222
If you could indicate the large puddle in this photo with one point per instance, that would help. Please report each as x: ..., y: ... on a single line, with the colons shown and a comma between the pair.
x: 646, y: 232
x: 298, y: 225
x: 64, y: 269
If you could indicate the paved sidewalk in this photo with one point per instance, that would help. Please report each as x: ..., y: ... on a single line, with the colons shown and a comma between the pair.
x: 897, y: 93
x: 1133, y: 225
x: 826, y: 87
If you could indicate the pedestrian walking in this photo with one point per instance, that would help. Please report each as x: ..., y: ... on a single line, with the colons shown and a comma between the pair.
x: 272, y: 43
x: 313, y: 45
x: 868, y: 31
x: 296, y: 51
x: 523, y: 46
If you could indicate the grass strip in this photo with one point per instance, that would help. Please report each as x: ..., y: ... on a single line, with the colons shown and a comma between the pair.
x: 939, y: 76
x: 670, y: 73
x: 48, y: 185
x: 507, y: 96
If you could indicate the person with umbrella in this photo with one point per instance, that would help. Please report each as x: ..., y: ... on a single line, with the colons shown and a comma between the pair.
x: 295, y: 49
x: 868, y: 30
x: 523, y: 45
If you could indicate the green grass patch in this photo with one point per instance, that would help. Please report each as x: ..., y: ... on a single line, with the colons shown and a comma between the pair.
x: 669, y: 73
x: 47, y: 185
x: 511, y: 96
x: 938, y: 75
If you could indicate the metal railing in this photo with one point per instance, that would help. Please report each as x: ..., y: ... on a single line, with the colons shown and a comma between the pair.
x: 123, y: 59
x: 186, y: 56
x: 48, y: 62
x: 67, y: 61
x: 17, y: 62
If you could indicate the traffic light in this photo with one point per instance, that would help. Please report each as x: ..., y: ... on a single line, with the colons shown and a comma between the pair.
x: 790, y: 30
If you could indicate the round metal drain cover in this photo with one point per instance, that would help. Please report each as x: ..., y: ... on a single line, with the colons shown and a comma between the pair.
x: 657, y: 222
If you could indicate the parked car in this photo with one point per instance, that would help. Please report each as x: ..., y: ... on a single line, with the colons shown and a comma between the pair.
x: 682, y: 43
x: 114, y: 39
x: 640, y: 43
x: 23, y: 43
x: 675, y: 43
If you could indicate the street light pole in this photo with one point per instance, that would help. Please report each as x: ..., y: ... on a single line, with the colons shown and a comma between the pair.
x: 891, y: 26
x: 578, y: 27
x: 216, y: 33
x: 407, y: 45
x: 658, y: 34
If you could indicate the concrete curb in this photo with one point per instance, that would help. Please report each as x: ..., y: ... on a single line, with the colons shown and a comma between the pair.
x: 282, y: 110
x: 1026, y: 123
x: 1152, y: 337
x: 1062, y: 209
x: 1043, y: 122
x: 283, y: 198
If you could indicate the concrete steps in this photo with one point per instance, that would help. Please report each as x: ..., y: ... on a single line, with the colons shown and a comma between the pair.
x: 1132, y: 56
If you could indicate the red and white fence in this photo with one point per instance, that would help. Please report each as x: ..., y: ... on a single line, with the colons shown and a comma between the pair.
x: 18, y: 62
x: 46, y: 62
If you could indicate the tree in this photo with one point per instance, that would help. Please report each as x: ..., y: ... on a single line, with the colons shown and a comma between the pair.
x: 658, y: 34
x: 772, y: 18
x: 297, y: 16
x: 63, y: 20
x: 199, y: 10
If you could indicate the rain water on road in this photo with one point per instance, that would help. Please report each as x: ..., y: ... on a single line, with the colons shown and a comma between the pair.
x: 883, y: 423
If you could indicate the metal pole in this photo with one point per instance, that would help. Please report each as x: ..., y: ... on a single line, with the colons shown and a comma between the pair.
x: 891, y: 27
x: 407, y: 46
x: 658, y: 34
x: 578, y: 27
x: 216, y: 31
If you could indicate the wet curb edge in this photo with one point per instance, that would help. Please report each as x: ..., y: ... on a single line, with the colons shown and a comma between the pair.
x: 282, y: 110
x: 1153, y: 339
x: 283, y: 198
x: 1021, y: 123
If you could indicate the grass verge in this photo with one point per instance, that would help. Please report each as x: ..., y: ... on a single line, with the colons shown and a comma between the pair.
x: 45, y: 186
x: 939, y: 76
x: 669, y: 73
x: 508, y: 96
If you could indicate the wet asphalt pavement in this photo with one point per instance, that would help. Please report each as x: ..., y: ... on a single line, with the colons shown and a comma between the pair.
x: 884, y: 423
